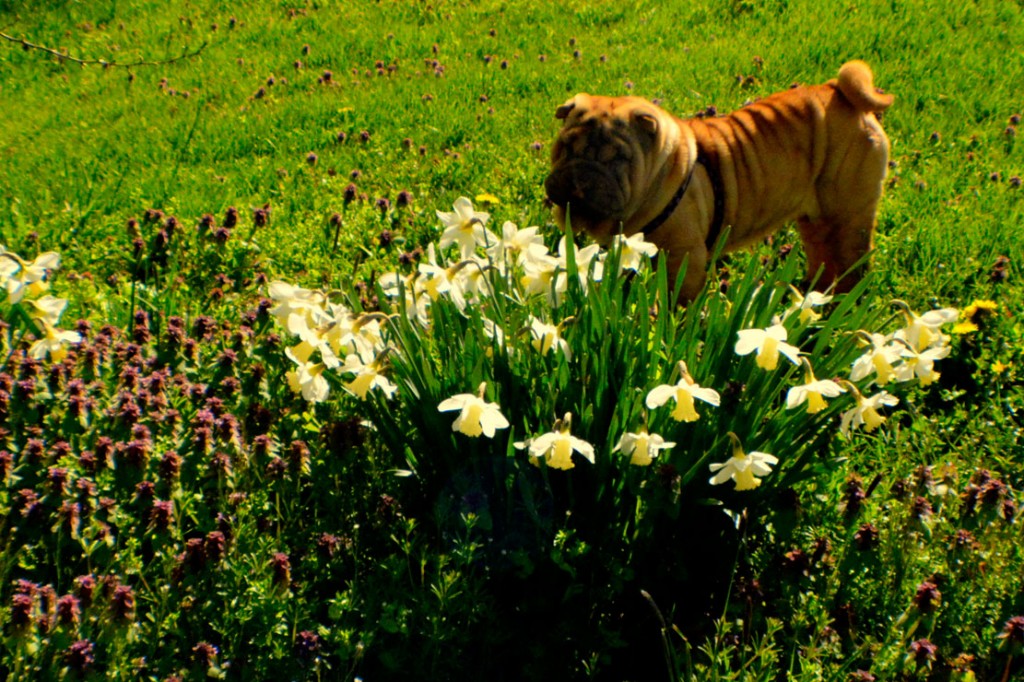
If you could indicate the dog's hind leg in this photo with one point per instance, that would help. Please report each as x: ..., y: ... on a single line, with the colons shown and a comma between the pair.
x: 838, y: 247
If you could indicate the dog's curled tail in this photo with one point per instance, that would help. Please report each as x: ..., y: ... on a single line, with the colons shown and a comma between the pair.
x: 855, y: 82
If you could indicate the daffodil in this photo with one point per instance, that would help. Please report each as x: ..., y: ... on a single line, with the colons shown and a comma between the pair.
x: 922, y: 331
x: 515, y: 242
x: 308, y: 379
x: 465, y: 227
x: 879, y: 358
x: 632, y: 250
x: 547, y: 337
x: 744, y: 469
x: 293, y: 300
x: 53, y: 343
x: 589, y: 261
x: 367, y: 376
x: 865, y: 413
x: 435, y: 279
x: 641, y: 447
x: 28, y: 276
x: 768, y: 343
x: 803, y: 306
x: 48, y: 309
x: 684, y: 392
x: 539, y: 274
x: 813, y: 391
x: 557, y: 446
x: 920, y: 365
x: 476, y: 415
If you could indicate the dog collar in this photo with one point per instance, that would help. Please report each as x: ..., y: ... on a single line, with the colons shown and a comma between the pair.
x: 705, y: 160
x: 660, y: 219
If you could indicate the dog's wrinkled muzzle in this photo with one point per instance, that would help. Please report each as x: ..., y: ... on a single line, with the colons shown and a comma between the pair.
x: 588, y: 189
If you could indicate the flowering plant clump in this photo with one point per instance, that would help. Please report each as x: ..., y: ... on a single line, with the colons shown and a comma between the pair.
x: 596, y: 353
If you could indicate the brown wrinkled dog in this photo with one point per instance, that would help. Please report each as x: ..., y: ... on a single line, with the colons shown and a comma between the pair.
x: 814, y: 154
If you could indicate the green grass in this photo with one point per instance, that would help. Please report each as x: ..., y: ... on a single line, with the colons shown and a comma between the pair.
x: 411, y: 577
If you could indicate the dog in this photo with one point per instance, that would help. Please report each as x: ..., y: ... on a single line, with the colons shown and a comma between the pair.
x: 814, y: 154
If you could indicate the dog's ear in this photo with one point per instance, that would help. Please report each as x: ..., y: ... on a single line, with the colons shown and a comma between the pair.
x: 647, y: 121
x: 563, y: 111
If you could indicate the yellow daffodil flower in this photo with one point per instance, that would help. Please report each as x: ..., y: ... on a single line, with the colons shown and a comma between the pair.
x: 476, y: 415
x: 879, y: 358
x: 865, y: 413
x: 812, y: 391
x: 632, y: 250
x: 465, y: 227
x: 557, y: 446
x: 683, y: 393
x: 922, y: 331
x: 803, y: 306
x: 744, y: 469
x: 641, y: 447
x: 768, y: 343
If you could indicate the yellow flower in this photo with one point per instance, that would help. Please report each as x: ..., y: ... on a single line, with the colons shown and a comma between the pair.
x: 642, y: 447
x: 878, y: 359
x: 866, y: 412
x: 966, y: 327
x: 999, y: 368
x: 557, y: 446
x: 922, y: 331
x: 488, y: 198
x: 744, y: 469
x: 975, y: 316
x: 476, y: 415
x: 683, y: 393
x: 768, y: 343
x: 813, y: 392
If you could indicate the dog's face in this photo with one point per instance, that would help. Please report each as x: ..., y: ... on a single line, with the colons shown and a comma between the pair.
x: 602, y: 160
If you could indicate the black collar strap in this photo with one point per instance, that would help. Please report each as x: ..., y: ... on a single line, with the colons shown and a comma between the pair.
x: 717, y: 190
x: 660, y: 219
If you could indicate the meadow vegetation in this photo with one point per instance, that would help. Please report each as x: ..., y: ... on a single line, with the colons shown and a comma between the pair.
x: 300, y: 381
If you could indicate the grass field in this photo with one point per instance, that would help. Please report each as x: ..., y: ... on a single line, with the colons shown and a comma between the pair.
x: 227, y: 476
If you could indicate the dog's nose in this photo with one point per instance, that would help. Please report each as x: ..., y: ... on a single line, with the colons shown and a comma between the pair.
x: 557, y: 190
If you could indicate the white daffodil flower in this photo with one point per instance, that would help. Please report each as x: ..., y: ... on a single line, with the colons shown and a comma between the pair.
x: 557, y: 446
x: 293, y: 300
x: 476, y: 415
x: 683, y: 393
x: 865, y: 413
x: 465, y: 227
x: 367, y: 377
x: 922, y: 331
x: 768, y: 343
x: 641, y: 447
x: 744, y: 469
x: 879, y: 358
x: 48, y: 309
x: 920, y: 365
x: 548, y: 337
x: 812, y: 391
x: 308, y: 379
x: 53, y: 343
x: 515, y: 242
x: 539, y: 271
x: 632, y: 250
x: 803, y: 306
x: 28, y: 277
